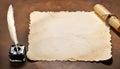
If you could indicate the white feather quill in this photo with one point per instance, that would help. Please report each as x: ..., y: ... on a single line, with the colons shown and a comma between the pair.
x: 11, y: 25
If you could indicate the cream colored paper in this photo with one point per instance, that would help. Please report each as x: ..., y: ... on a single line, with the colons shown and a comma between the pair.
x: 68, y: 36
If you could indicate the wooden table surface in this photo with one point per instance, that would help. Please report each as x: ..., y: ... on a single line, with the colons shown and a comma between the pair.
x: 22, y: 10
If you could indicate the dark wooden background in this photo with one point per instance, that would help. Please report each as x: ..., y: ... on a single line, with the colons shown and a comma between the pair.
x: 22, y: 9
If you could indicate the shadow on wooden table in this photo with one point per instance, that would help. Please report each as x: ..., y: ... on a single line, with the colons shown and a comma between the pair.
x: 106, y: 62
x: 115, y: 31
x: 17, y: 65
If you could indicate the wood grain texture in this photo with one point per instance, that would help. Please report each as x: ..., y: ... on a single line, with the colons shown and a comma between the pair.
x: 22, y: 9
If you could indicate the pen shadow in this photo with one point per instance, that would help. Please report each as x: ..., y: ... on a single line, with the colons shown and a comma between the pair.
x: 17, y: 65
